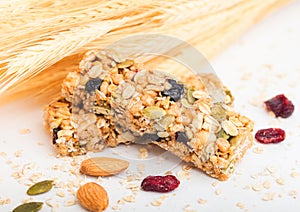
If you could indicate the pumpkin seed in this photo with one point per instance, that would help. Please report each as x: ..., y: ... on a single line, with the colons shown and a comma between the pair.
x: 40, y: 187
x: 154, y: 112
x: 190, y: 97
x: 222, y: 134
x: 125, y: 64
x: 29, y: 207
x: 218, y: 112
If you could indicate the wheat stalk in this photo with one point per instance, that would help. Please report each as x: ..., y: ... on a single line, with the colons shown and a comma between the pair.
x: 45, y: 39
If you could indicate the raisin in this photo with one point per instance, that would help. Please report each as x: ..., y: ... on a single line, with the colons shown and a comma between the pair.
x: 148, y: 138
x: 160, y: 183
x: 151, y: 137
x: 93, y: 84
x: 175, y: 92
x: 270, y: 135
x: 181, y: 137
x: 280, y: 106
x: 54, y: 134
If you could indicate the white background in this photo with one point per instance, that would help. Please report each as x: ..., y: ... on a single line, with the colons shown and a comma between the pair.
x: 261, y: 64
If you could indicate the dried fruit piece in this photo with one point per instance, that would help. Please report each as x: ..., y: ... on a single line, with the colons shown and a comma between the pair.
x: 280, y: 106
x: 93, y: 84
x: 29, y: 207
x: 40, y: 187
x: 160, y: 183
x: 54, y: 134
x: 181, y: 137
x: 270, y: 135
x: 148, y: 137
x: 93, y: 197
x: 103, y: 166
x: 175, y: 92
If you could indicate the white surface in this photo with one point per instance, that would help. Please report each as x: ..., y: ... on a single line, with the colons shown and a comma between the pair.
x: 262, y: 64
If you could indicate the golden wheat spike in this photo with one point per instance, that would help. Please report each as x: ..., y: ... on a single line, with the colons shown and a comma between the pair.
x: 42, y: 40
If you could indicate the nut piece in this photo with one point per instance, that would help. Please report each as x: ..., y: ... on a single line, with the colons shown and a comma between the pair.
x: 103, y: 166
x: 93, y: 197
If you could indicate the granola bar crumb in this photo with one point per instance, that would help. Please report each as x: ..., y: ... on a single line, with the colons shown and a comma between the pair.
x: 60, y: 193
x: 115, y: 208
x: 27, y: 200
x: 169, y: 173
x: 183, y: 175
x: 215, y: 184
x: 5, y: 201
x: 269, y: 196
x: 187, y: 167
x: 18, y: 153
x: 121, y: 202
x: 271, y: 169
x: 240, y: 205
x: 143, y: 153
x: 294, y: 174
x: 35, y: 177
x: 52, y: 203
x: 188, y: 209
x: 202, y: 201
x: 218, y: 192
x: 280, y: 181
x: 3, y: 154
x: 267, y: 185
x: 293, y: 194
x: 156, y: 203
x: 40, y: 143
x: 70, y: 202
x: 257, y: 187
x: 258, y: 150
x: 24, y: 131
x: 129, y: 198
x: 246, y: 187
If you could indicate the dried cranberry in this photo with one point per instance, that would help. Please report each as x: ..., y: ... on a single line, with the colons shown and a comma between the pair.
x: 175, y: 92
x: 160, y: 183
x: 93, y: 84
x: 280, y: 106
x: 270, y: 135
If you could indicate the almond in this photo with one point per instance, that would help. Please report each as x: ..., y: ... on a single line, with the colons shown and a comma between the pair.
x: 92, y: 197
x: 103, y: 166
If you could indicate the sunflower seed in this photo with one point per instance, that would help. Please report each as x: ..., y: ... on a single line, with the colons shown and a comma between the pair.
x: 154, y: 112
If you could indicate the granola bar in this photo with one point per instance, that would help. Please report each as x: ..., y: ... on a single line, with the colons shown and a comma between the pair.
x: 107, y: 102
